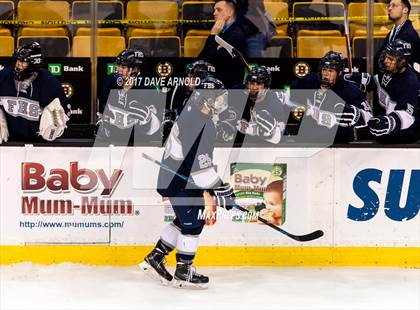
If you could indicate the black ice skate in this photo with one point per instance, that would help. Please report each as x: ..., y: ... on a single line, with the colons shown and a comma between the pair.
x: 186, y: 277
x: 154, y: 266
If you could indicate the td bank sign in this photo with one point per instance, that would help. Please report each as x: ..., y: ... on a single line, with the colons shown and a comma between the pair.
x: 56, y: 69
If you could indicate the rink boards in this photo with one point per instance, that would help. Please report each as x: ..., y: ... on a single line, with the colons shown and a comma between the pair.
x: 100, y: 206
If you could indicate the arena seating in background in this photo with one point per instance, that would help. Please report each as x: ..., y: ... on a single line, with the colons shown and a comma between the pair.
x: 280, y: 47
x: 278, y: 10
x: 316, y: 47
x: 5, y: 32
x: 321, y: 10
x: 107, y: 46
x: 193, y: 45
x: 7, y: 44
x: 107, y: 10
x: 43, y: 10
x: 7, y: 12
x: 197, y: 11
x: 158, y: 11
x: 317, y: 33
x: 415, y: 9
x: 157, y: 46
x: 358, y: 27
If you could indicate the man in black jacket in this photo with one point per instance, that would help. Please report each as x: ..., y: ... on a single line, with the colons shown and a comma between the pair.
x: 398, y: 12
x: 229, y: 70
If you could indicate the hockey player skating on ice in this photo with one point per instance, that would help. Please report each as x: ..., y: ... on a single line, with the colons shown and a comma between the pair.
x: 396, y: 110
x: 123, y: 109
x: 32, y: 101
x: 189, y: 151
x: 265, y: 113
x: 334, y: 106
x: 179, y: 95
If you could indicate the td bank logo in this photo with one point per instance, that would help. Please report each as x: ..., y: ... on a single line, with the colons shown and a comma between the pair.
x: 55, y: 69
x: 111, y: 68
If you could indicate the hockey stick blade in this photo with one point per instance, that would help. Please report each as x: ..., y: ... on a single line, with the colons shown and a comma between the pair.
x: 303, y: 238
x: 232, y: 50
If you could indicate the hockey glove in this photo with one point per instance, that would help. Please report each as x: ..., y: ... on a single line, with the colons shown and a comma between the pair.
x: 225, y: 131
x: 224, y: 196
x: 53, y: 121
x: 346, y: 115
x: 381, y: 125
x: 247, y: 128
x: 361, y: 79
x: 4, y: 132
x: 140, y: 113
x: 265, y: 122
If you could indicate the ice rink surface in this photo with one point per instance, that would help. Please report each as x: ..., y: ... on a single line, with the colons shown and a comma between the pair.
x: 72, y: 286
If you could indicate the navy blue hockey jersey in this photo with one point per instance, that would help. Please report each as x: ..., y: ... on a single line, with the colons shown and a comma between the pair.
x: 398, y: 94
x: 189, y: 151
x: 24, y: 107
x: 318, y: 123
x: 130, y: 114
x: 247, y: 109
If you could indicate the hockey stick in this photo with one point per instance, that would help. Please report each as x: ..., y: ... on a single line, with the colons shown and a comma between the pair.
x: 308, y: 237
x: 232, y: 51
x: 348, y: 45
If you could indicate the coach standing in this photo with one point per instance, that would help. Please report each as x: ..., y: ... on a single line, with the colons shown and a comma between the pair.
x: 398, y: 13
x: 229, y: 70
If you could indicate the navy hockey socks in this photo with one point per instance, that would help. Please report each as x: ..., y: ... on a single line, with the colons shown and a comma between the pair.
x: 164, y: 248
x: 168, y: 239
x: 185, y: 258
